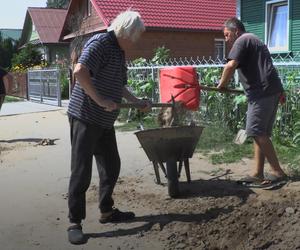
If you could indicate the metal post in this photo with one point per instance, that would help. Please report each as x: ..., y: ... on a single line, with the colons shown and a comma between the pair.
x: 28, y: 85
x: 41, y: 87
x: 152, y: 76
x: 58, y: 87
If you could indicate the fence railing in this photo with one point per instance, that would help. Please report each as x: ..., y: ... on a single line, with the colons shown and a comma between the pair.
x: 44, y: 86
x: 210, y: 70
x: 288, y: 68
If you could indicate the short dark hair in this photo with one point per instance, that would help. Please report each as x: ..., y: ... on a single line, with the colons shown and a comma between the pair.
x: 234, y: 23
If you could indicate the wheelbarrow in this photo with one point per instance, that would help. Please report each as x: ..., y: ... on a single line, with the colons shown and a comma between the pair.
x: 172, y: 146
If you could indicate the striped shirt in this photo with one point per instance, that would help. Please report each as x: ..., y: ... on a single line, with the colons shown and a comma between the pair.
x: 105, y: 60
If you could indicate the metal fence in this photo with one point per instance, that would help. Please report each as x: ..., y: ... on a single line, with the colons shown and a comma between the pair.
x: 210, y: 71
x: 288, y: 68
x: 44, y: 86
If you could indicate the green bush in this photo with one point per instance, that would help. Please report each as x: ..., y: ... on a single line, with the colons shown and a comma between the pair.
x: 26, y: 58
x: 215, y: 106
x: 64, y: 83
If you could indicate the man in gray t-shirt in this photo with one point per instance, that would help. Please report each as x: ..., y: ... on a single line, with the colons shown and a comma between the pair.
x: 263, y: 87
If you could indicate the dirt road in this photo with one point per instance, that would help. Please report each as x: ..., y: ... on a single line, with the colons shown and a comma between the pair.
x: 212, y: 213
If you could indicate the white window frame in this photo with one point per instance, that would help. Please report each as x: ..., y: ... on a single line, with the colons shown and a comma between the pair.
x: 238, y: 9
x: 268, y: 10
x: 224, y: 47
x: 87, y: 11
x: 89, y: 8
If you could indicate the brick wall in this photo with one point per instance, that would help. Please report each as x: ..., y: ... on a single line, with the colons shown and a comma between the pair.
x: 181, y: 44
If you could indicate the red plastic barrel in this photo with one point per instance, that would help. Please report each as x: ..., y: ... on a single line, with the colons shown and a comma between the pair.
x: 181, y: 82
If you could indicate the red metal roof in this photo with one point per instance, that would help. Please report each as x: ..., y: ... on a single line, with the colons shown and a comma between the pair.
x: 187, y: 14
x: 48, y: 23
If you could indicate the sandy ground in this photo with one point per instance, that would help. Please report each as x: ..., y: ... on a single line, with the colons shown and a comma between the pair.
x: 212, y: 213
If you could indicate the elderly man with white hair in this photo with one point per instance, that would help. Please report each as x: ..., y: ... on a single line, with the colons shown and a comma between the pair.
x: 101, y: 78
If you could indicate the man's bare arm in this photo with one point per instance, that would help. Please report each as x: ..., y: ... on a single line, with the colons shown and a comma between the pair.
x: 83, y: 76
x: 227, y: 74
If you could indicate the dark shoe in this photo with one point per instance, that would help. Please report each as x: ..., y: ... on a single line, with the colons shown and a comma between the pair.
x: 75, y: 235
x: 117, y: 216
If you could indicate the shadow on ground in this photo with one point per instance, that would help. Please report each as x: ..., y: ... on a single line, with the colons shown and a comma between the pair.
x: 196, y: 188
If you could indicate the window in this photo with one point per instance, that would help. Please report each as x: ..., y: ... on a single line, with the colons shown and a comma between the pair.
x: 219, y: 49
x: 277, y: 25
x: 88, y: 8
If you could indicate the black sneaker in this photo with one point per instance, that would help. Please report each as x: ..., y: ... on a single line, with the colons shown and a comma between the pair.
x: 75, y: 235
x: 117, y: 216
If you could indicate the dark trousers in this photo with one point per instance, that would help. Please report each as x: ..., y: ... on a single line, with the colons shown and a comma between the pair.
x: 2, y: 97
x: 87, y: 141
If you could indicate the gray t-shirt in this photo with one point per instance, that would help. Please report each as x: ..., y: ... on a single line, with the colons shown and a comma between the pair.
x: 256, y: 71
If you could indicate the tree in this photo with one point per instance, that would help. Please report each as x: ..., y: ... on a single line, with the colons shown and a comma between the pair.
x: 27, y: 58
x: 7, y: 49
x: 58, y: 4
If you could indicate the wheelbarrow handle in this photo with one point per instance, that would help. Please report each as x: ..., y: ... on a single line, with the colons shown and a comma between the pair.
x: 140, y: 105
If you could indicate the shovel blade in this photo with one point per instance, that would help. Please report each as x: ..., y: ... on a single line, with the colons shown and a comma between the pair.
x: 240, y: 137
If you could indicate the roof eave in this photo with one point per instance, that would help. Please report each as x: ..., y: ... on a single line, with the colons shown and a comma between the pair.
x: 75, y: 34
x: 157, y: 28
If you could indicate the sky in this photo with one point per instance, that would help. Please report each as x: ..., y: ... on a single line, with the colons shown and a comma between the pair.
x: 13, y: 12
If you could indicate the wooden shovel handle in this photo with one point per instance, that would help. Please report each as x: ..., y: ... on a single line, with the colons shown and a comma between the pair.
x: 208, y: 88
x: 224, y: 90
x: 140, y: 105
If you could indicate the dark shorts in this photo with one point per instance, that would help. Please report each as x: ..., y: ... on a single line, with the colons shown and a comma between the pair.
x: 261, y: 115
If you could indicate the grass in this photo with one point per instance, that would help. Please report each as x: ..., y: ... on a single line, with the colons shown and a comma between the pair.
x: 148, y: 122
x: 232, y: 153
x: 289, y: 156
x: 12, y: 99
x: 216, y: 142
x: 134, y: 125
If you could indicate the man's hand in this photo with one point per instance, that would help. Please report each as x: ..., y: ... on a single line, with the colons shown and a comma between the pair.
x: 221, y: 87
x: 227, y: 74
x: 109, y: 105
x: 146, y: 105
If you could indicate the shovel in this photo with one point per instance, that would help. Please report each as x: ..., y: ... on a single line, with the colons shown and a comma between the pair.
x: 240, y: 137
x: 139, y: 105
x: 208, y: 88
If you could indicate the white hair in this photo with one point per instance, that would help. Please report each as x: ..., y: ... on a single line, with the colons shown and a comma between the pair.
x: 128, y: 25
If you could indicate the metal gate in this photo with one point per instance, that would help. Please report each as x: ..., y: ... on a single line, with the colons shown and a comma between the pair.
x: 44, y: 86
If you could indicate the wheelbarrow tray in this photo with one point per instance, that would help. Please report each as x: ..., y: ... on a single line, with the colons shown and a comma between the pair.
x: 170, y: 143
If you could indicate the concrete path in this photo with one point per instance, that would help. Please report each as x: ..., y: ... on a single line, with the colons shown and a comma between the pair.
x: 25, y: 107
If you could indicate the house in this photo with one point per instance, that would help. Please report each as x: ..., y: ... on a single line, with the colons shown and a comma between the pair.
x: 188, y: 28
x: 42, y: 28
x: 276, y: 22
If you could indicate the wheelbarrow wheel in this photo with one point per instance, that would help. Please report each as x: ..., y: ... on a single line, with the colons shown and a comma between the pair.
x: 172, y: 176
